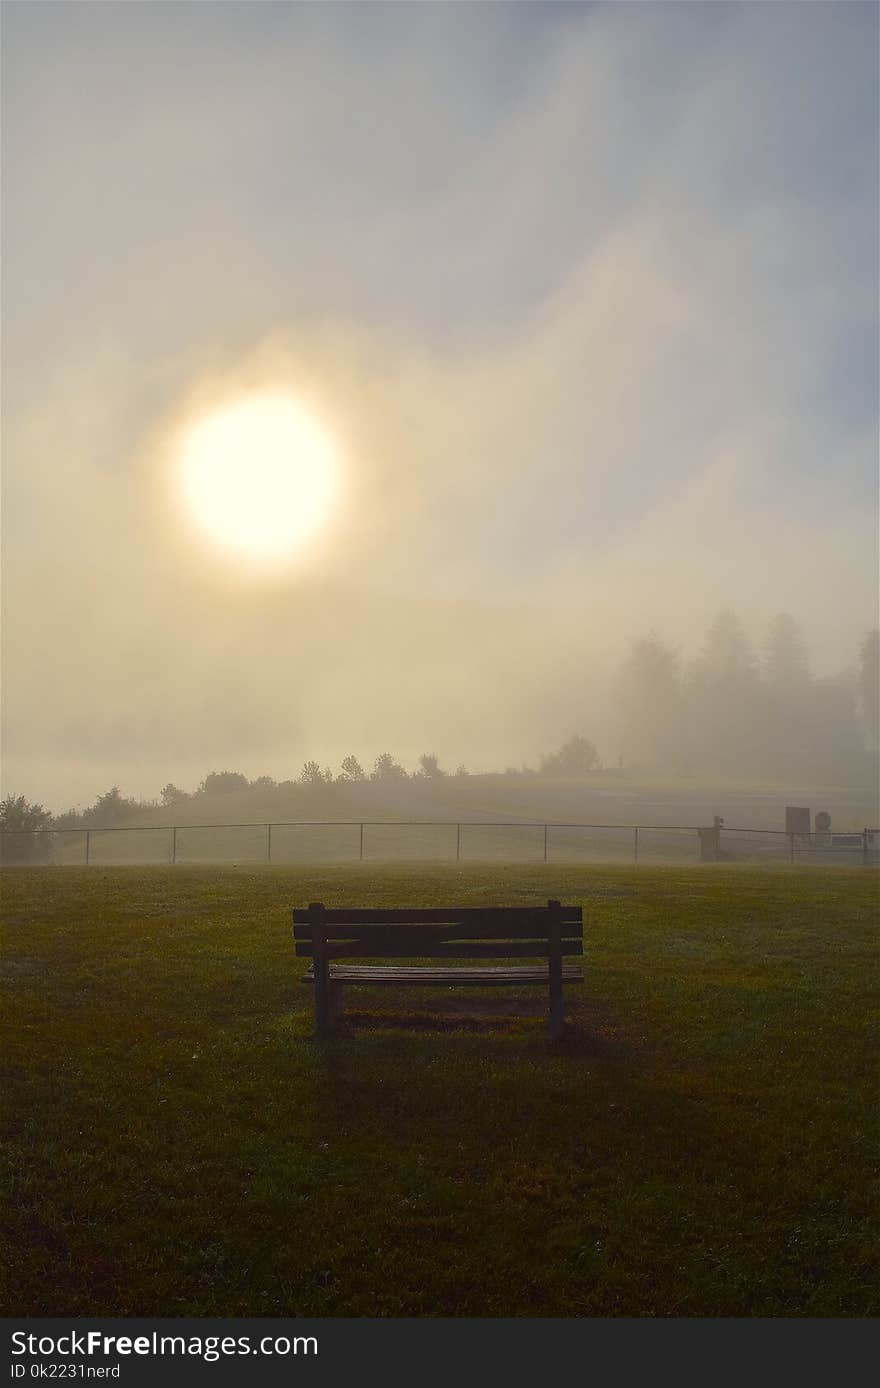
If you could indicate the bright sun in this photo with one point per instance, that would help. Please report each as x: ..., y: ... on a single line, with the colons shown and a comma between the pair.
x: 260, y: 475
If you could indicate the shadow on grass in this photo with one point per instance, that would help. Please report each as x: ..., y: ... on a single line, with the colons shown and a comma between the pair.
x: 591, y: 1031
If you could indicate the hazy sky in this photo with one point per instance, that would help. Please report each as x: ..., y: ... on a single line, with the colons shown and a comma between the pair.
x: 588, y: 295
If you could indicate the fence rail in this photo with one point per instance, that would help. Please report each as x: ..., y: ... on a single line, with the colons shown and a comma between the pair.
x: 309, y: 841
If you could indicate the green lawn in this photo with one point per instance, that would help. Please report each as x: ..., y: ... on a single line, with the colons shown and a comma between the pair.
x: 178, y: 1143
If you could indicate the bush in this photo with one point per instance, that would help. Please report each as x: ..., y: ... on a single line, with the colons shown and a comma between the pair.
x: 22, y: 840
x: 223, y: 783
x: 576, y: 757
x: 17, y: 813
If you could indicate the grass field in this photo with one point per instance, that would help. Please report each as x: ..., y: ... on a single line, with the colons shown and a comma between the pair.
x: 703, y: 1142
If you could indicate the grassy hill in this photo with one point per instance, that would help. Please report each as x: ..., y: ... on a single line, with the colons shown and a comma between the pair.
x: 606, y: 798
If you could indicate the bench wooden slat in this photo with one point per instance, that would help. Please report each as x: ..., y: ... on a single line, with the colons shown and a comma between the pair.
x: 537, y: 929
x: 438, y: 915
x: 426, y: 976
x: 455, y: 949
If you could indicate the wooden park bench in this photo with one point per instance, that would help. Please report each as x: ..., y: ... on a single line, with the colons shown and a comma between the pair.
x: 441, y: 932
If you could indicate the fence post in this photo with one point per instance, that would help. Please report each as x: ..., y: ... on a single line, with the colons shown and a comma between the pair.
x: 458, y: 843
x: 791, y: 848
x: 546, y: 827
x: 636, y: 844
x: 174, y: 843
x: 362, y: 844
x: 88, y: 836
x: 268, y: 843
x: 865, y: 846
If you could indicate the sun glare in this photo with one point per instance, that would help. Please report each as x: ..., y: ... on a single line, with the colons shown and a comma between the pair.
x: 260, y: 475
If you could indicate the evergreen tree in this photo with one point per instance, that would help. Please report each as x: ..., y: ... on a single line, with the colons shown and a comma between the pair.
x: 786, y: 662
x: 869, y: 688
x: 650, y: 705
x: 728, y: 657
x: 726, y: 705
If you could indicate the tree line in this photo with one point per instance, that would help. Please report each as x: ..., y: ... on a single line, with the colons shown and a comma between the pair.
x: 576, y: 757
x: 757, y: 713
x: 732, y: 710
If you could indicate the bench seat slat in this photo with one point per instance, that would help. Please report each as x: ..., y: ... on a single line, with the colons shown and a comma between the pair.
x: 481, y: 916
x: 410, y: 949
x: 426, y: 976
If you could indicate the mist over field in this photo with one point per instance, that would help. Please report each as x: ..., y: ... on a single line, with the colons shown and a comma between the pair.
x: 440, y: 718
x: 586, y: 297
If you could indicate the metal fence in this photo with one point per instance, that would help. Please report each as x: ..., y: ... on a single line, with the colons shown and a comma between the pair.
x: 337, y: 841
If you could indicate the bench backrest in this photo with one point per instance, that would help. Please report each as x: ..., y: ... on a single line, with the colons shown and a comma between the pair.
x: 438, y: 932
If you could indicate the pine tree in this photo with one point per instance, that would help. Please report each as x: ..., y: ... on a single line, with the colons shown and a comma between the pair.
x: 786, y: 662
x: 649, y: 703
x: 869, y: 688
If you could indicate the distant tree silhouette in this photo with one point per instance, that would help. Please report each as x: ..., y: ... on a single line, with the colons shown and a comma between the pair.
x: 649, y: 699
x: 18, y: 813
x: 786, y: 728
x: 223, y: 783
x: 110, y: 809
x: 430, y: 767
x: 728, y: 657
x: 311, y: 774
x: 32, y: 846
x: 385, y: 768
x: 869, y: 688
x: 786, y: 662
x: 726, y: 703
x: 576, y: 757
x: 352, y: 770
x: 462, y: 771
x: 173, y: 795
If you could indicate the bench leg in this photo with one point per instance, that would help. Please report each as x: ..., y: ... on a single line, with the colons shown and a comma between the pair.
x: 328, y: 1006
x: 335, y: 1000
x: 324, y: 1018
x: 557, y: 1021
x: 322, y: 1008
x: 321, y: 966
